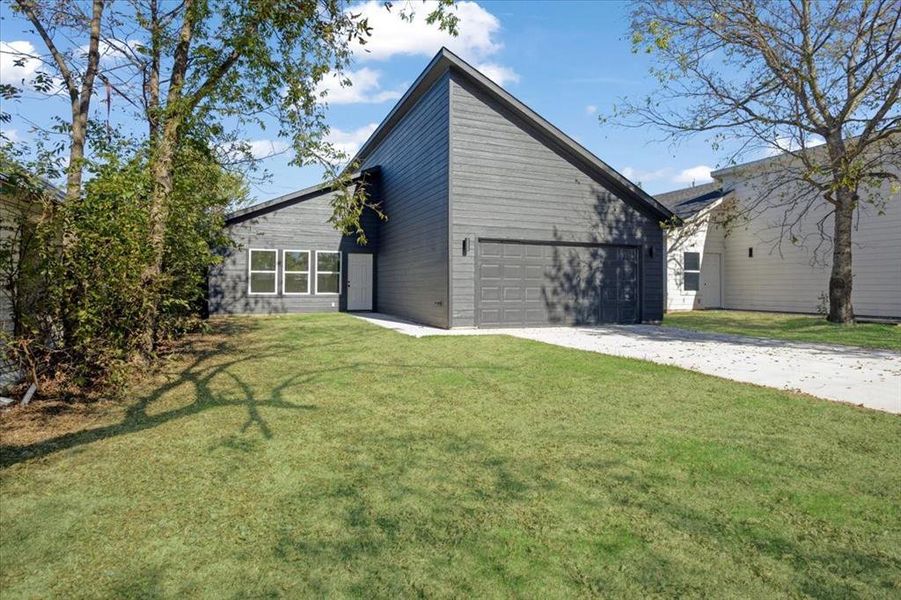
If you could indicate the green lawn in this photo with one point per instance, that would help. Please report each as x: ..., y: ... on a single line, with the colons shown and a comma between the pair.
x: 320, y: 455
x: 798, y: 328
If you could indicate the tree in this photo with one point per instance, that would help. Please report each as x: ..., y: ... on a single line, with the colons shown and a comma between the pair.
x: 226, y: 59
x: 788, y: 76
x: 78, y: 83
x: 141, y: 228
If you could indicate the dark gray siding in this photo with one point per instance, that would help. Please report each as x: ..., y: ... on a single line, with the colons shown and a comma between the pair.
x: 412, y: 261
x: 506, y: 183
x: 302, y: 226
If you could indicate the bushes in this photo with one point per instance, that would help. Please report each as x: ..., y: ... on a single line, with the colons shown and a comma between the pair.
x: 93, y: 255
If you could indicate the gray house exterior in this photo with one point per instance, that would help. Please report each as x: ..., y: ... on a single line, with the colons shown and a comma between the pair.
x: 495, y: 219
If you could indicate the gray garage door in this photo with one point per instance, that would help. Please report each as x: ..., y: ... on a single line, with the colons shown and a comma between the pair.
x: 531, y: 284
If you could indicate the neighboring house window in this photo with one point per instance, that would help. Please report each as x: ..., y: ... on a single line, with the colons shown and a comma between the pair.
x: 263, y: 267
x: 691, y: 271
x: 328, y: 272
x: 295, y: 272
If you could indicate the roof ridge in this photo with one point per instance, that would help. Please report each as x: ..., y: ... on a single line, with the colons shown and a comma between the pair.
x: 445, y: 59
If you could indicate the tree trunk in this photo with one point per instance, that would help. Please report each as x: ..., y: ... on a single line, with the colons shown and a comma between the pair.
x: 840, y: 281
x: 161, y: 163
x: 161, y: 172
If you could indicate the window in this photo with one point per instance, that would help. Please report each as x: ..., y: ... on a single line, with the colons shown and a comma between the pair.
x: 263, y: 267
x: 328, y: 272
x: 295, y: 272
x: 750, y: 252
x: 691, y: 271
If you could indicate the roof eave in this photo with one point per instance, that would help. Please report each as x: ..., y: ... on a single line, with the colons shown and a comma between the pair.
x: 302, y: 195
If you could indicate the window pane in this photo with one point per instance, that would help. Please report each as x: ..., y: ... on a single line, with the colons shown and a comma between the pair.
x: 327, y: 284
x: 328, y: 261
x: 692, y: 261
x: 262, y: 283
x: 692, y: 282
x: 296, y: 283
x: 297, y: 261
x: 262, y: 260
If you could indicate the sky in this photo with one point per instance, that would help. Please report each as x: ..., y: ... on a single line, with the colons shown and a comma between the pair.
x: 571, y: 62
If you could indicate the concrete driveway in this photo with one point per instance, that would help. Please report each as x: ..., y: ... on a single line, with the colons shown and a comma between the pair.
x: 870, y: 378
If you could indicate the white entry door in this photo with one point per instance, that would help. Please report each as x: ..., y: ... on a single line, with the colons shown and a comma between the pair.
x: 711, y: 296
x: 359, y: 281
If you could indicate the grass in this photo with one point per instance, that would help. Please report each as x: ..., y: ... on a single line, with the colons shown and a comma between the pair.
x: 319, y: 455
x: 793, y: 327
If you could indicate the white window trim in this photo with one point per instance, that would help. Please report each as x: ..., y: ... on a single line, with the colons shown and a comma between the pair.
x: 251, y: 271
x: 308, y: 272
x: 316, y: 284
x: 698, y: 271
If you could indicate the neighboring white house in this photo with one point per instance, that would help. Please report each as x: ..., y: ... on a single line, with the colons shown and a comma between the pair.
x: 745, y: 267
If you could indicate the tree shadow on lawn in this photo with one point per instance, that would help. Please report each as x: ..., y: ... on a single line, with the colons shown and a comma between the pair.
x: 205, y: 365
x: 199, y: 372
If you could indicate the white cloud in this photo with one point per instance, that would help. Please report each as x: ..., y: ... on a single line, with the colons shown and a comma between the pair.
x: 591, y: 109
x: 114, y: 52
x: 694, y: 175
x: 499, y: 74
x: 266, y: 148
x: 11, y: 135
x: 10, y: 54
x: 391, y: 35
x: 790, y: 144
x: 364, y: 88
x: 642, y: 176
x: 349, y: 142
x: 259, y: 149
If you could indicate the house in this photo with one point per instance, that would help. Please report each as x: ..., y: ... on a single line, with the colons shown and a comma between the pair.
x: 754, y: 263
x: 495, y: 218
x: 22, y: 199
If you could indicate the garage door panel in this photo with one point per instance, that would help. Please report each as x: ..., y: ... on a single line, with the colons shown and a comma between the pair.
x: 535, y: 273
x: 490, y: 271
x: 490, y: 293
x: 509, y: 271
x: 513, y: 315
x: 533, y: 294
x: 491, y: 316
x: 530, y: 284
x: 512, y: 250
x: 488, y: 249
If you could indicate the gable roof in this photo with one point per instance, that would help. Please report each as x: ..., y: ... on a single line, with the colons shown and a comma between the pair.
x: 314, y: 191
x: 688, y: 202
x: 575, y: 152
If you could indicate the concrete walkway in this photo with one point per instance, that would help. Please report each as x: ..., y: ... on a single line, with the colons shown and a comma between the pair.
x: 871, y: 378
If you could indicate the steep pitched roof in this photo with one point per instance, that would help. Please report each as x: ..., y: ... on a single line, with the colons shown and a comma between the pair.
x: 688, y: 202
x: 591, y: 164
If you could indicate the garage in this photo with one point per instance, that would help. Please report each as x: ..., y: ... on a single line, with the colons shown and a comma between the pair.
x: 527, y: 284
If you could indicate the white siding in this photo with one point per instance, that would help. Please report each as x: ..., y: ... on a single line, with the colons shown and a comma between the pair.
x: 793, y: 278
x: 700, y: 236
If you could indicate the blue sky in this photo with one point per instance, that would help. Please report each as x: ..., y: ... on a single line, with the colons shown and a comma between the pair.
x: 569, y: 61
